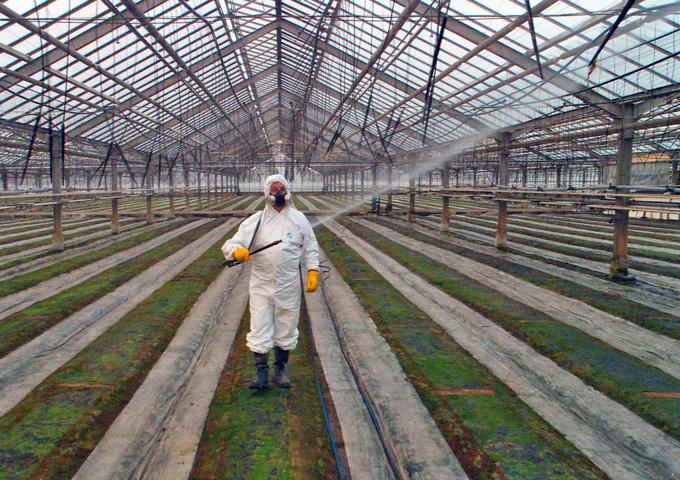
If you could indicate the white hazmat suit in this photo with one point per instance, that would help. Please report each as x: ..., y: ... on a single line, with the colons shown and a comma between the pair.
x: 275, y: 284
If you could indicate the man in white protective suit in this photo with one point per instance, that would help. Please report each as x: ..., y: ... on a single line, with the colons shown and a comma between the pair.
x: 275, y: 286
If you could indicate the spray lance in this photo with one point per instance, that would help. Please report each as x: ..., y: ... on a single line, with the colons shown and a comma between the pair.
x: 232, y: 263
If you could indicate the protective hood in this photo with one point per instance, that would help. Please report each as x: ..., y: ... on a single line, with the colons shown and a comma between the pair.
x: 273, y: 179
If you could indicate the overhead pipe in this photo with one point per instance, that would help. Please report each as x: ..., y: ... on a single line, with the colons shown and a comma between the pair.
x: 592, y: 189
x: 611, y: 186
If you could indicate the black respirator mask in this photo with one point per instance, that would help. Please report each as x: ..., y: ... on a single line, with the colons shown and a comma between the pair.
x: 278, y: 200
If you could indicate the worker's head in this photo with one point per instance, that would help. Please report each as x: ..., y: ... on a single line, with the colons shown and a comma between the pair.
x: 276, y: 189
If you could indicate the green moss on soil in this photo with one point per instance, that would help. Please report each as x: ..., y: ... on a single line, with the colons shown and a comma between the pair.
x: 640, y: 314
x: 618, y: 375
x: 67, y: 236
x: 29, y: 232
x: 277, y: 433
x: 596, y: 231
x: 25, y: 325
x: 494, y: 436
x: 53, y: 430
x: 638, y: 251
x: 21, y: 282
x: 566, y: 250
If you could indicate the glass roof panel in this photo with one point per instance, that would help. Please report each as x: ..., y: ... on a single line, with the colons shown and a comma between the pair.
x: 120, y: 83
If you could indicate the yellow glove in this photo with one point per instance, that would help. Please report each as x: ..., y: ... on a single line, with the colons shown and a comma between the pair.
x: 241, y: 255
x: 312, y: 281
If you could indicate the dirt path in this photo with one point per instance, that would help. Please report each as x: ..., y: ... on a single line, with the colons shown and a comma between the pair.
x: 603, y: 221
x: 634, y: 234
x: 668, y: 303
x: 616, y: 440
x: 240, y: 203
x: 562, y: 237
x: 9, y: 225
x: 636, y: 259
x: 173, y: 456
x: 527, y: 225
x: 253, y: 205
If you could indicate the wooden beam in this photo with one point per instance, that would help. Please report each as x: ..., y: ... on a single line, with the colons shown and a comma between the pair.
x: 503, y: 173
x: 412, y: 200
x: 149, y: 201
x: 389, y: 206
x: 115, y: 213
x: 618, y: 267
x: 446, y: 211
x: 56, y: 154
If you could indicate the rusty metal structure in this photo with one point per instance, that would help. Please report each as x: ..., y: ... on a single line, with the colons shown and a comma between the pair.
x: 132, y: 94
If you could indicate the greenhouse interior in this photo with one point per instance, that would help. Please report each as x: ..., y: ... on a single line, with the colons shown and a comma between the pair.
x: 353, y: 239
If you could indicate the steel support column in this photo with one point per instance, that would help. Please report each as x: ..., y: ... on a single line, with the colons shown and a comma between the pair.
x: 374, y: 189
x: 354, y: 184
x: 570, y: 177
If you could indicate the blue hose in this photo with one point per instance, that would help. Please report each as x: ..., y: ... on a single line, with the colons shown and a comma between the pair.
x: 328, y: 423
x: 321, y: 399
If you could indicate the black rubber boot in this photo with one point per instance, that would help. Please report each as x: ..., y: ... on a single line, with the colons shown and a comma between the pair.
x: 280, y: 377
x: 262, y: 376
